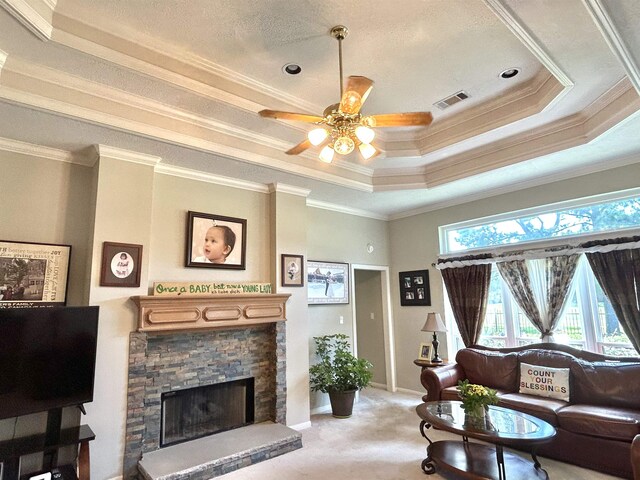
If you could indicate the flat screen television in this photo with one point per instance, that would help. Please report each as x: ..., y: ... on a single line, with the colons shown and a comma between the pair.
x: 47, y: 358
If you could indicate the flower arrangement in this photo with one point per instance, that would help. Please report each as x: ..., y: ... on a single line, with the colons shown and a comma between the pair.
x: 475, y: 398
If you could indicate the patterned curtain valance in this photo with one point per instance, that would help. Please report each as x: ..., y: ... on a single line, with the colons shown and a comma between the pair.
x: 500, y: 255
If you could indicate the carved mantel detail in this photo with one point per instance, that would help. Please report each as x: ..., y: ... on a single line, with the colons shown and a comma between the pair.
x: 170, y: 314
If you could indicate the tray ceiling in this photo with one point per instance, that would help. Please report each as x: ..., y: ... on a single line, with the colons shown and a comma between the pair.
x: 183, y: 80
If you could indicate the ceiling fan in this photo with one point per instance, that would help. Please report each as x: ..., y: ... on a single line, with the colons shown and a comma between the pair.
x: 342, y: 125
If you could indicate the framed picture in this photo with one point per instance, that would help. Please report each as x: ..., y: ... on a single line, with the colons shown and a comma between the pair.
x: 215, y: 241
x: 121, y: 265
x: 292, y: 274
x: 33, y: 274
x: 414, y: 288
x: 426, y: 351
x: 327, y: 282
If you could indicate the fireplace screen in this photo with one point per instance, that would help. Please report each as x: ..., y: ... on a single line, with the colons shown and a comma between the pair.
x: 200, y: 411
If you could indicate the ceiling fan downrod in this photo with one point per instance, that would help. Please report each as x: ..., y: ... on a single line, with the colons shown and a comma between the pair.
x: 340, y: 32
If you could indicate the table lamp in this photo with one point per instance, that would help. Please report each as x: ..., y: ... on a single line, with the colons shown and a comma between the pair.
x: 434, y: 324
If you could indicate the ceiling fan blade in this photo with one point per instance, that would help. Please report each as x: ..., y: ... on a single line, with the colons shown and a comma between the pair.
x: 299, y: 148
x: 414, y: 119
x: 299, y: 117
x: 356, y: 93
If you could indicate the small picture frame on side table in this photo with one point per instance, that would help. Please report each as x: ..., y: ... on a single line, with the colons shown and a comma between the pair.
x: 426, y: 352
x: 121, y: 265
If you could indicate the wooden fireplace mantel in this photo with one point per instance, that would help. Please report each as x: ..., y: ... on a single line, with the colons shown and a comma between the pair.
x: 170, y: 314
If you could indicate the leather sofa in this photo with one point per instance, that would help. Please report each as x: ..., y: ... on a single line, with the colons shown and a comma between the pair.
x: 598, y: 428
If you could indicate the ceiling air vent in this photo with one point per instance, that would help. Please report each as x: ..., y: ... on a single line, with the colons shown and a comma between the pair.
x: 452, y: 100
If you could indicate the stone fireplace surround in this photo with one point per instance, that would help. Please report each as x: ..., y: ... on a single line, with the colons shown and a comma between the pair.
x: 214, y: 339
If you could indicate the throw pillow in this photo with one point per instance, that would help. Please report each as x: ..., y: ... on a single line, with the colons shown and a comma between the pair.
x: 544, y: 381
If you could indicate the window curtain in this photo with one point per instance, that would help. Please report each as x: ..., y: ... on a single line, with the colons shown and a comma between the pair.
x: 618, y: 273
x: 468, y: 290
x: 541, y: 288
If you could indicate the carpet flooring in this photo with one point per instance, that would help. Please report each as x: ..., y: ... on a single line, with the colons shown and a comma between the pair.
x: 381, y: 441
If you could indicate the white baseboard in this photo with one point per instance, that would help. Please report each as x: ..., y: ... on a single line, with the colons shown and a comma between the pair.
x: 410, y: 392
x: 300, y: 426
x: 322, y: 409
x: 382, y: 386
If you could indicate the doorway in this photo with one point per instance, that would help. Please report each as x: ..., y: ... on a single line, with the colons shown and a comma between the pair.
x: 373, y: 322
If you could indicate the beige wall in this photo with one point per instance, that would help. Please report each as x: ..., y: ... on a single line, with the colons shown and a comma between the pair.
x: 45, y: 201
x: 55, y: 202
x: 337, y: 237
x: 414, y: 245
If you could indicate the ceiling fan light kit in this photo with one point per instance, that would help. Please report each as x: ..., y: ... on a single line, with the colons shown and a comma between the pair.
x: 342, y: 124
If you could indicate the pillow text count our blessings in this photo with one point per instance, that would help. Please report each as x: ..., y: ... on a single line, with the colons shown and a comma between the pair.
x: 544, y: 381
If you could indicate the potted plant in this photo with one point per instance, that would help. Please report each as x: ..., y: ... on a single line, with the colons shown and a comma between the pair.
x: 339, y: 373
x: 476, y: 398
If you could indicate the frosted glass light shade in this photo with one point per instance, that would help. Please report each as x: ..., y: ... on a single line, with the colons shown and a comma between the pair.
x: 367, y: 151
x: 326, y: 155
x: 365, y: 134
x: 344, y: 145
x: 351, y: 102
x: 317, y: 136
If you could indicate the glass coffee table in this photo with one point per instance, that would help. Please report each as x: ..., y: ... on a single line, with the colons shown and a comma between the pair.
x: 501, y: 427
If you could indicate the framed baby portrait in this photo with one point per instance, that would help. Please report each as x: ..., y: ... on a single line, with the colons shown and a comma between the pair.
x: 121, y: 265
x: 292, y: 274
x: 216, y: 241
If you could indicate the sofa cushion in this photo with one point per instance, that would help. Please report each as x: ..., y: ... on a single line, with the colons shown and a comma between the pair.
x: 614, y: 423
x: 492, y: 369
x: 608, y: 384
x: 547, y: 358
x: 544, y: 381
x: 544, y: 408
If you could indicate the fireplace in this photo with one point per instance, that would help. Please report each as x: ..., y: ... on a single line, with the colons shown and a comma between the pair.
x: 196, y: 412
x: 188, y: 342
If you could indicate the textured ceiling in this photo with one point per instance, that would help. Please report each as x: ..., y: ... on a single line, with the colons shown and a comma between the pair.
x: 184, y: 80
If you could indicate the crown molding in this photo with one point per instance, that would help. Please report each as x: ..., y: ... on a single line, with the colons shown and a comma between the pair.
x: 26, y: 12
x: 3, y: 59
x: 105, y: 151
x: 29, y: 149
x: 54, y: 91
x: 607, y: 27
x: 521, y: 33
x: 150, y: 56
x: 565, y: 133
x: 290, y: 189
x: 343, y: 209
x: 518, y: 186
x: 530, y: 99
x: 210, y: 178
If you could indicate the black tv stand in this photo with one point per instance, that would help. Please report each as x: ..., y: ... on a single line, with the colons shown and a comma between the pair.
x: 49, y: 443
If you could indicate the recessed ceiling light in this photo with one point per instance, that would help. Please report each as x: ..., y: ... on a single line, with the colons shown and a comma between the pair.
x: 510, y: 73
x: 292, y: 69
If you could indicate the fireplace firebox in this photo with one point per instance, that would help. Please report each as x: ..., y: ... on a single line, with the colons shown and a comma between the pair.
x: 204, y: 410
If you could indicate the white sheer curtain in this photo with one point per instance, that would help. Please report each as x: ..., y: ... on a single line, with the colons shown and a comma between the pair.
x: 552, y: 285
x: 541, y: 287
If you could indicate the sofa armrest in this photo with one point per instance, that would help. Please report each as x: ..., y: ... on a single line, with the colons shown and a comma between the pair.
x: 434, y: 380
x: 635, y: 457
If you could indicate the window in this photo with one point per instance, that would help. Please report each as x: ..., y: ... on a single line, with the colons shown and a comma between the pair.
x: 589, y: 321
x: 544, y: 223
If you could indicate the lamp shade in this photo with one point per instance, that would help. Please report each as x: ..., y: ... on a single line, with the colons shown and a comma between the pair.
x: 434, y: 323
